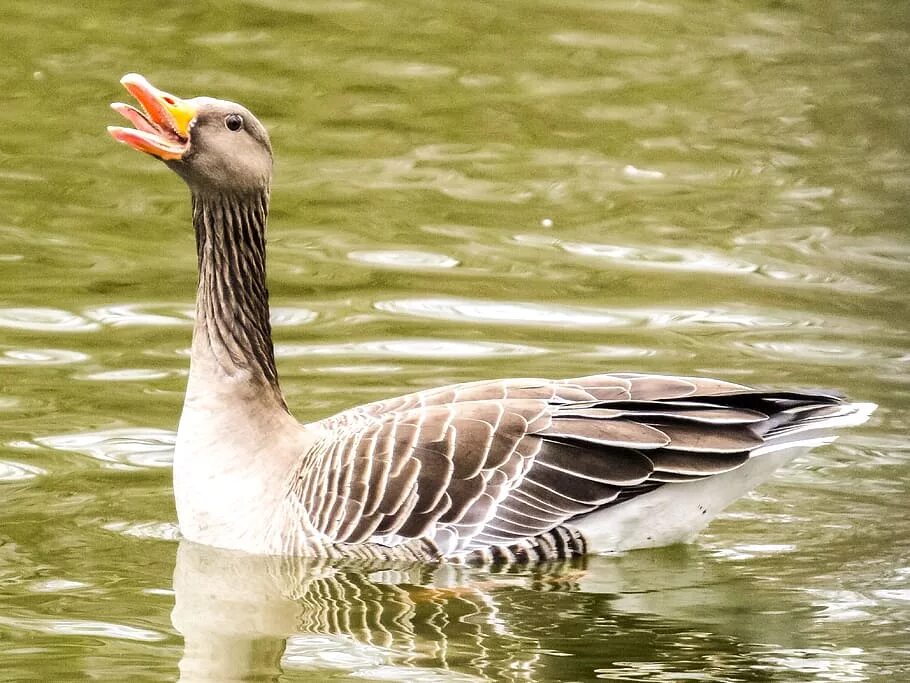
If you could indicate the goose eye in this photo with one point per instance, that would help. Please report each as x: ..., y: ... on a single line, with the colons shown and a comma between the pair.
x: 233, y: 122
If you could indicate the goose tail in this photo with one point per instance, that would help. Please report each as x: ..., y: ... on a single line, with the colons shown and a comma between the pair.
x: 677, y: 512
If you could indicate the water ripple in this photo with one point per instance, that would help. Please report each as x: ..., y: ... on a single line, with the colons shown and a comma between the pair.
x: 665, y: 258
x: 842, y: 605
x: 803, y: 239
x: 127, y: 375
x: 613, y: 351
x: 117, y: 315
x: 411, y: 173
x: 309, y: 7
x: 331, y: 651
x: 83, y: 627
x: 844, y: 665
x: 416, y: 348
x: 56, y: 585
x: 554, y: 315
x: 159, y: 531
x: 816, y: 351
x: 162, y: 315
x: 751, y: 551
x: 44, y: 320
x: 887, y: 254
x: 41, y: 357
x: 701, y: 260
x: 898, y: 595
x: 17, y: 471
x: 639, y: 116
x: 337, y: 653
x: 615, y: 42
x: 461, y: 152
x: 119, y: 448
x: 403, y: 259
x: 501, y: 312
x: 395, y: 69
x: 370, y: 369
x: 290, y: 316
x: 536, y: 85
x: 803, y: 276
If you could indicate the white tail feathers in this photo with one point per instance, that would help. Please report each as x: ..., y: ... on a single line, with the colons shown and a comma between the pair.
x: 815, y: 431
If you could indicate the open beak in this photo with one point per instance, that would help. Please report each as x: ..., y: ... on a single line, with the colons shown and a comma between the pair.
x: 162, y: 129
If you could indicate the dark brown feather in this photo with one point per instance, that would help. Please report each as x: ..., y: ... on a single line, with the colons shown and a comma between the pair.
x: 477, y: 512
x: 703, y: 439
x: 522, y: 513
x: 569, y: 486
x: 435, y: 475
x: 392, y: 522
x: 400, y: 487
x: 686, y: 463
x: 615, y: 432
x: 548, y: 503
x: 616, y: 466
x: 473, y: 438
x: 505, y: 528
x: 463, y: 493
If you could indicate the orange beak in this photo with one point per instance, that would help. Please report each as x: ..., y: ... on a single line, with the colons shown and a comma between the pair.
x: 162, y: 129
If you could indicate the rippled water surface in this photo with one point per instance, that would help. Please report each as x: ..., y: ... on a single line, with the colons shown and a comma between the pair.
x: 462, y: 192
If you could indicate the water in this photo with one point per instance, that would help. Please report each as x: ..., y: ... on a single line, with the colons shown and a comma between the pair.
x: 487, y: 189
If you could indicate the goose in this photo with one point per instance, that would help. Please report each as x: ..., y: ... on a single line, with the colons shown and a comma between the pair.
x: 507, y: 470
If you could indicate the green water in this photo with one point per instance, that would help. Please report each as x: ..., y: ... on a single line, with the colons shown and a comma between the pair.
x: 473, y: 191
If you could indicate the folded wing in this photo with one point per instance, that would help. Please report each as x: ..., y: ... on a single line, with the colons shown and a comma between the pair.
x: 489, y: 464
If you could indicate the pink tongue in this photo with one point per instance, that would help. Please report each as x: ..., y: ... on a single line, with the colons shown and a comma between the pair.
x: 136, y: 117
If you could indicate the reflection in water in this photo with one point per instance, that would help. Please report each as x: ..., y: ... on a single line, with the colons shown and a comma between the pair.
x: 637, y: 616
x: 247, y: 618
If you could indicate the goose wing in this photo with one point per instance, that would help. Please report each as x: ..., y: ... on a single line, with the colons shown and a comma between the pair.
x: 492, y: 463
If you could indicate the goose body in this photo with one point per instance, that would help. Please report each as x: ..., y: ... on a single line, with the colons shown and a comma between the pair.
x: 515, y: 469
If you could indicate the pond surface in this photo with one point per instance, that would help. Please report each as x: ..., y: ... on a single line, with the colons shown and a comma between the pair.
x: 483, y: 190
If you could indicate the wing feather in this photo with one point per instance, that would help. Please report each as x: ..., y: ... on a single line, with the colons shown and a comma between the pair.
x: 613, y: 432
x: 697, y: 438
x: 615, y: 466
x: 497, y: 462
x: 696, y: 464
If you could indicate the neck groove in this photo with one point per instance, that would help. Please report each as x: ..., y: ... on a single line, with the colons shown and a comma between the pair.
x: 232, y: 301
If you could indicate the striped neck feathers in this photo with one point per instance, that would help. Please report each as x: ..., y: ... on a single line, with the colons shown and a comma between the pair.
x: 232, y: 301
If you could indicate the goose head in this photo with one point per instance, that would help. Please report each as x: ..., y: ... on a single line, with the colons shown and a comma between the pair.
x: 214, y: 145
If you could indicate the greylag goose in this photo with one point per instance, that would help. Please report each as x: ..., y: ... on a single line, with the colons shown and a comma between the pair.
x: 503, y: 470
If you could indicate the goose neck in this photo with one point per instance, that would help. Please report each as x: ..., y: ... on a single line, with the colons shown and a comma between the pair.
x: 232, y: 337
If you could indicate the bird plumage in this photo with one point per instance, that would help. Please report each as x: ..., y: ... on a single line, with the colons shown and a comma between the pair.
x: 515, y: 469
x: 489, y: 466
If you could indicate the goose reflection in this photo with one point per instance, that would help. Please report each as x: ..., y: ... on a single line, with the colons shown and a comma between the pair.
x: 268, y: 618
x: 251, y: 618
